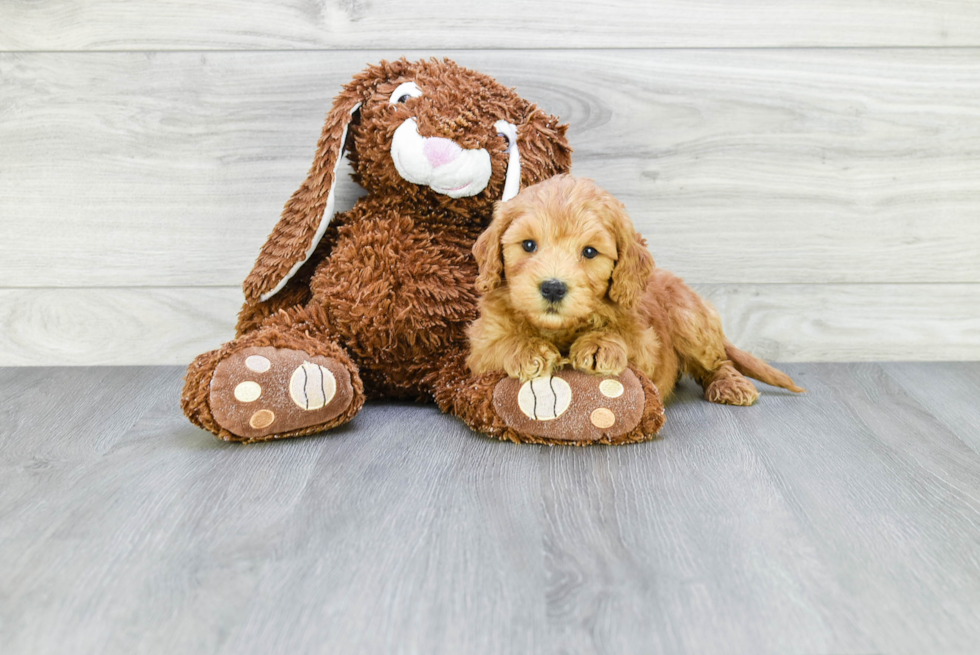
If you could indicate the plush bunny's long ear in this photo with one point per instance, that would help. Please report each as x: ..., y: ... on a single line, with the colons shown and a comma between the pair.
x: 308, y: 211
x: 512, y: 181
x: 544, y: 149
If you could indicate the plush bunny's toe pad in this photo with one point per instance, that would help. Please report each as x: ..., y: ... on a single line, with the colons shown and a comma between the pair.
x: 574, y: 407
x: 263, y: 391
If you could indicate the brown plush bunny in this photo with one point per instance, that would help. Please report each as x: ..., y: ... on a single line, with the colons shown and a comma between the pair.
x: 374, y: 302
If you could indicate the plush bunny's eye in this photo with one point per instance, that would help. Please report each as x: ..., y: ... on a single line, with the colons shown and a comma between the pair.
x: 403, y: 92
x: 589, y: 252
x: 529, y: 245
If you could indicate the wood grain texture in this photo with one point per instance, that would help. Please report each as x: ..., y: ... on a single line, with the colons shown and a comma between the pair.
x: 841, y: 521
x: 951, y: 391
x: 771, y: 166
x: 793, y: 322
x: 829, y: 322
x: 114, y: 326
x: 327, y: 24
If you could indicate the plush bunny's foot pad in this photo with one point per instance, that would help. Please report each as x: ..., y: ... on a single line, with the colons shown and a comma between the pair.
x: 578, y: 408
x: 265, y: 391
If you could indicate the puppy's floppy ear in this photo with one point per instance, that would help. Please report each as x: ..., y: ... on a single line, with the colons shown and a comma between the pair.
x: 488, y: 251
x: 302, y: 224
x: 634, y: 263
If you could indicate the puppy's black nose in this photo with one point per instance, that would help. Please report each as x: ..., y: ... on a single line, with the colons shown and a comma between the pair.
x: 553, y: 290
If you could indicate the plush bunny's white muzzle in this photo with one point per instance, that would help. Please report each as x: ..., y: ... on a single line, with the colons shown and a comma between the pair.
x: 442, y: 164
x: 439, y: 163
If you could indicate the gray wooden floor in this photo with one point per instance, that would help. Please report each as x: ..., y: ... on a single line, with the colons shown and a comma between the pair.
x: 843, y: 521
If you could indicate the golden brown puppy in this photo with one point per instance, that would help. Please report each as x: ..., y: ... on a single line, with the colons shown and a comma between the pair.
x: 567, y: 279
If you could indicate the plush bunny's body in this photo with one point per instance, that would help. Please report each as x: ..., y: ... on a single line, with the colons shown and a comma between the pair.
x: 374, y: 302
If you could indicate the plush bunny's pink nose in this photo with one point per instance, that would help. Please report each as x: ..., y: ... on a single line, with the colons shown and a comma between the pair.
x: 440, y: 151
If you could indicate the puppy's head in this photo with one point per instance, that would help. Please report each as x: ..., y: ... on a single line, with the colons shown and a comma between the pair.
x: 567, y: 249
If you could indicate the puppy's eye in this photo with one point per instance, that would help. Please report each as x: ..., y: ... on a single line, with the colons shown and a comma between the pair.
x: 589, y: 252
x: 404, y: 91
x: 529, y: 246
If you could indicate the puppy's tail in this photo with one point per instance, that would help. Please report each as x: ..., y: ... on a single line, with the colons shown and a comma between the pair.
x: 753, y: 367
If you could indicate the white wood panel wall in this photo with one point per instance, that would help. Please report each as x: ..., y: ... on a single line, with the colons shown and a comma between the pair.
x: 827, y: 199
x: 562, y: 24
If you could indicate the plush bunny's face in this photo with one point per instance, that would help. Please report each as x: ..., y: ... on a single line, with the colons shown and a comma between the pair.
x: 435, y: 161
x: 444, y: 134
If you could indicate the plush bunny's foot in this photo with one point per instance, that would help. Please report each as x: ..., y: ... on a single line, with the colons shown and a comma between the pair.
x: 577, y: 408
x: 266, y: 392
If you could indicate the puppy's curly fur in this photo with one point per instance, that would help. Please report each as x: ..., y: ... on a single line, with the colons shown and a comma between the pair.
x: 567, y: 280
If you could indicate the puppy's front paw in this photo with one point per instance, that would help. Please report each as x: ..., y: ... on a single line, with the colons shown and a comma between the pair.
x: 532, y: 360
x: 598, y: 353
